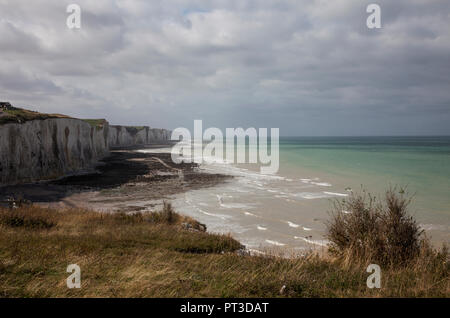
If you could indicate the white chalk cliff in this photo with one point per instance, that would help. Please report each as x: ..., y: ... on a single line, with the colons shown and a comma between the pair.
x: 50, y: 148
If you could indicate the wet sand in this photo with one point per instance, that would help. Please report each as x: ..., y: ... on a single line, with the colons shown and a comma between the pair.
x: 126, y: 181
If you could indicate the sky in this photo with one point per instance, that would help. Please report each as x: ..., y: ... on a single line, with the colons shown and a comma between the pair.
x: 310, y: 68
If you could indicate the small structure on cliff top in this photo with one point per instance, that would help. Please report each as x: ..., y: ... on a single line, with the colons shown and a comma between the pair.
x: 6, y: 106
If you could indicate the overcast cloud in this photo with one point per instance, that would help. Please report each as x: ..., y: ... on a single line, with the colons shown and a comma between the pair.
x: 308, y: 67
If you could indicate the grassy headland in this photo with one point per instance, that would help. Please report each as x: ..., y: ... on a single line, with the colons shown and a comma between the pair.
x: 163, y: 254
x: 19, y: 115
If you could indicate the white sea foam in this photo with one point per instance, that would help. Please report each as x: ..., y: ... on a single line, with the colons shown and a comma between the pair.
x: 232, y: 205
x: 249, y: 214
x: 311, y: 195
x: 306, y: 229
x: 322, y: 184
x: 292, y: 224
x: 237, y: 206
x: 275, y: 243
x: 314, y: 242
x: 261, y: 228
x: 220, y: 216
x: 239, y: 190
x: 253, y: 252
x: 239, y: 172
x: 336, y: 194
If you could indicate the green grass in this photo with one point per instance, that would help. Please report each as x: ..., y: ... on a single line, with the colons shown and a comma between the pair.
x: 157, y: 255
x: 98, y: 123
x: 18, y: 115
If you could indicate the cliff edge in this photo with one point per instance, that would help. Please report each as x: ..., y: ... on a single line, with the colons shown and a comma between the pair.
x: 35, y: 146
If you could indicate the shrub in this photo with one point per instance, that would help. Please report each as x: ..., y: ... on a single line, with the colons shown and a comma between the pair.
x: 168, y: 214
x: 368, y: 230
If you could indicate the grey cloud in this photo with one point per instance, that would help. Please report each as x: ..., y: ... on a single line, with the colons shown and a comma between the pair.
x: 310, y: 68
x: 20, y: 82
x: 14, y: 40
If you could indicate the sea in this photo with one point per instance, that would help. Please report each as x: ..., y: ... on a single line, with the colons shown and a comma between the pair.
x: 287, y: 212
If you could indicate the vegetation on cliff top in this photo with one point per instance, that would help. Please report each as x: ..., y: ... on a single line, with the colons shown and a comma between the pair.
x: 163, y: 254
x: 97, y: 123
x: 133, y: 130
x: 19, y: 115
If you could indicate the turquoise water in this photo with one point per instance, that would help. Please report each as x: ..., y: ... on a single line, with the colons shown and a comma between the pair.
x: 375, y: 163
x: 290, y: 209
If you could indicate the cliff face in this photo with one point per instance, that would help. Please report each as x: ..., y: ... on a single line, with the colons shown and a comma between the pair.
x: 45, y: 149
x: 51, y: 148
x: 124, y: 136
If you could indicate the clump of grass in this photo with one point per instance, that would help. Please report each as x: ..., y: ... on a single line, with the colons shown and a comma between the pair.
x: 166, y: 215
x: 203, y: 243
x: 27, y: 217
x: 365, y: 229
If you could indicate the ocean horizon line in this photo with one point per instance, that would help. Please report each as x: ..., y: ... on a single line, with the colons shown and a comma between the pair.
x: 360, y: 136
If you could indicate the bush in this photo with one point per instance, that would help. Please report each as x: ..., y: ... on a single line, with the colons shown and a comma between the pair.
x: 365, y: 229
x: 168, y: 214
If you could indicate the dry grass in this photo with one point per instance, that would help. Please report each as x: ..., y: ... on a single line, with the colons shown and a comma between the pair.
x: 158, y: 255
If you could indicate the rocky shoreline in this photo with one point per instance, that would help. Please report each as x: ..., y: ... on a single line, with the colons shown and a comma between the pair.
x: 126, y: 180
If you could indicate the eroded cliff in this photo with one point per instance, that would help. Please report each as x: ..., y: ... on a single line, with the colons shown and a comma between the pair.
x: 50, y: 148
x: 44, y: 149
x: 125, y: 136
